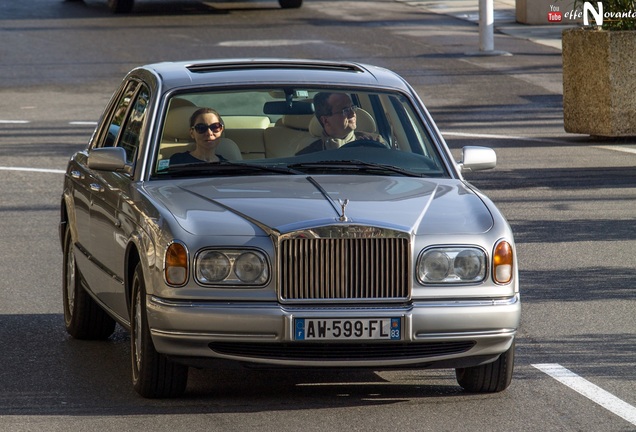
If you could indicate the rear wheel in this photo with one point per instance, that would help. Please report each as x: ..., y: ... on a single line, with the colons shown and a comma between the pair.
x: 121, y: 6
x: 83, y: 317
x: 153, y: 374
x: 489, y: 378
x: 290, y: 4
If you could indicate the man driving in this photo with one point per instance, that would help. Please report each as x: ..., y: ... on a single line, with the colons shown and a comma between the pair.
x: 337, y: 116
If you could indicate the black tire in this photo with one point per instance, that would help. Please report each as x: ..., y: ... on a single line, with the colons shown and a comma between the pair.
x: 121, y: 6
x: 290, y: 4
x: 153, y: 374
x: 83, y: 317
x: 489, y: 378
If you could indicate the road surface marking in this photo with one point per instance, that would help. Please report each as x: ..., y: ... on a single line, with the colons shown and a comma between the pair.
x: 502, y: 137
x: 590, y: 391
x: 618, y: 148
x: 543, y: 140
x: 43, y: 170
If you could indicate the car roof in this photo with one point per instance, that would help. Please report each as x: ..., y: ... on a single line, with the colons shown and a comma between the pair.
x: 274, y: 71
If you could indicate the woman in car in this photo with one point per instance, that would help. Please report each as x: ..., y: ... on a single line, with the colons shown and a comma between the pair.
x: 206, y: 128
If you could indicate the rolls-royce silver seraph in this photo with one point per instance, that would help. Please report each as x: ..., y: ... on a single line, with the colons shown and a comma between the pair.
x: 287, y: 213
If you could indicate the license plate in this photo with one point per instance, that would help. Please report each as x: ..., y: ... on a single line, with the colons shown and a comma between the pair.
x: 347, y: 329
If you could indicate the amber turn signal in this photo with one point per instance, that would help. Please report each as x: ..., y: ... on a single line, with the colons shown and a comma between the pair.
x: 503, y: 263
x: 176, y: 264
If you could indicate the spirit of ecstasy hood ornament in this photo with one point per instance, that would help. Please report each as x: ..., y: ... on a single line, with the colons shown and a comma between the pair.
x: 343, y: 206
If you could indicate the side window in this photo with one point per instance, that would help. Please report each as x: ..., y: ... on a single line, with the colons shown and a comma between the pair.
x: 119, y: 114
x: 130, y: 135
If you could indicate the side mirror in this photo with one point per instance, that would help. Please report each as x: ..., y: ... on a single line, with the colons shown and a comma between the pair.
x: 476, y: 158
x: 109, y: 159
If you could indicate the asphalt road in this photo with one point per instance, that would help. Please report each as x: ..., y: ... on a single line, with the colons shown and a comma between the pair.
x: 569, y: 199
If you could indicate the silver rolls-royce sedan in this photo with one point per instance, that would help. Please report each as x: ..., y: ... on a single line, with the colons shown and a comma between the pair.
x: 288, y: 213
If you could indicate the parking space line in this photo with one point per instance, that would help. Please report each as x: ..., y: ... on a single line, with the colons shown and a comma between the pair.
x: 590, y: 391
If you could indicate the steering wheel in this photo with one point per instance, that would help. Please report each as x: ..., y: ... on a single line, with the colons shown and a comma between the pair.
x: 364, y: 142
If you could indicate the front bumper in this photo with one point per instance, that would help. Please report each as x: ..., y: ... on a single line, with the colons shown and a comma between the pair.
x: 435, y: 333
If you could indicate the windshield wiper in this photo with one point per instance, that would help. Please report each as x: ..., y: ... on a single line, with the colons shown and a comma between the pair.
x: 355, y: 165
x: 226, y: 167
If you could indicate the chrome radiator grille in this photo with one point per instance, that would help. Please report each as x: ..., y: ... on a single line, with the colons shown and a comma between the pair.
x: 344, y: 268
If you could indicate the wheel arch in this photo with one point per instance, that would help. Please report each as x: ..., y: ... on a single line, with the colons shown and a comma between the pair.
x: 132, y: 259
x: 66, y: 218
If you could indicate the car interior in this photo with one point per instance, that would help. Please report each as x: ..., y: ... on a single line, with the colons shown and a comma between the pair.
x: 274, y: 124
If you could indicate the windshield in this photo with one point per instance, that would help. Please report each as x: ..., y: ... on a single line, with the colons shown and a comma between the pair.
x: 294, y: 131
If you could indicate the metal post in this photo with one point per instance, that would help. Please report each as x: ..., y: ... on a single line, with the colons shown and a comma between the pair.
x: 486, y: 25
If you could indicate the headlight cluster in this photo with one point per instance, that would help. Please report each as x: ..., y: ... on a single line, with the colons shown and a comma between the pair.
x: 452, y: 265
x: 231, y: 267
x: 447, y: 265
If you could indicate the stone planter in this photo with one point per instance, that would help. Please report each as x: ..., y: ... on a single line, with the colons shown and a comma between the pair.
x: 599, y: 82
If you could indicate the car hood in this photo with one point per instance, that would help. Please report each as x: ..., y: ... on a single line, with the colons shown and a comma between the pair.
x: 232, y: 205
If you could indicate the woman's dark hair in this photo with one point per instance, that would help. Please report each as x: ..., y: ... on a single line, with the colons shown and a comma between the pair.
x: 200, y: 111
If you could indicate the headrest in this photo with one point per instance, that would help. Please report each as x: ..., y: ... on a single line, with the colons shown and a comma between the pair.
x: 364, y: 123
x: 294, y: 121
x: 246, y: 122
x: 177, y: 125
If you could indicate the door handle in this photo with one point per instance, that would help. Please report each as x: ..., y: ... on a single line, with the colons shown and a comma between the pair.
x: 76, y: 174
x: 96, y: 188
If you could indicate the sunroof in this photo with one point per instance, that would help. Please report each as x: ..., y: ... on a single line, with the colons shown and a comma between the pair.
x: 277, y: 64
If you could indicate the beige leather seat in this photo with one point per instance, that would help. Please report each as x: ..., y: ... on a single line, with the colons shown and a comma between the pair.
x: 176, y: 136
x: 290, y: 132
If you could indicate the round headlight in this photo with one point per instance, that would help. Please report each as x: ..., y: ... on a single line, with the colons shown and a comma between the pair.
x: 213, y: 267
x: 469, y: 264
x: 250, y: 268
x: 435, y: 266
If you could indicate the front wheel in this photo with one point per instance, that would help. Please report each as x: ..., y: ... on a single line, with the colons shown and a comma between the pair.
x: 489, y: 378
x: 290, y: 4
x: 121, y: 6
x: 83, y: 317
x: 153, y: 374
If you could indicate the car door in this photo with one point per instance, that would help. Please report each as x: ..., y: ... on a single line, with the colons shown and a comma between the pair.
x: 79, y: 183
x: 111, y: 222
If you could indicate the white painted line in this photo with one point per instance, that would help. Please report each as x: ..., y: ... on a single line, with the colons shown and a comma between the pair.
x: 83, y: 123
x: 590, y: 391
x: 502, y: 137
x: 74, y: 123
x: 544, y: 140
x: 618, y: 148
x: 268, y: 43
x: 14, y: 121
x: 42, y: 170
